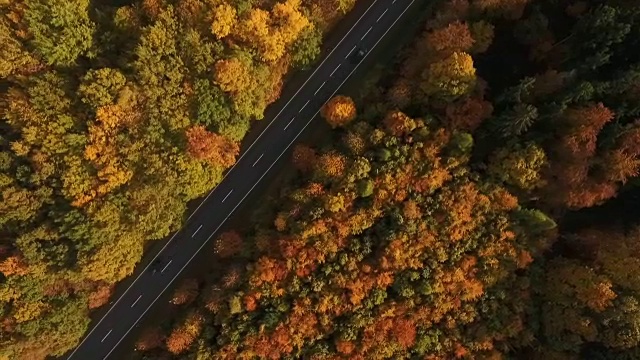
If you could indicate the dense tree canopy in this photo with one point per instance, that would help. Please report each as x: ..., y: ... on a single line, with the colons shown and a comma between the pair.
x: 113, y: 115
x: 482, y: 205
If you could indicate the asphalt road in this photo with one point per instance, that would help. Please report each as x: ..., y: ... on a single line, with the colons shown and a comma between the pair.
x: 377, y: 19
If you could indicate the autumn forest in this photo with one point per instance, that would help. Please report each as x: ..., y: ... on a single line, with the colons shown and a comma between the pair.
x: 475, y: 199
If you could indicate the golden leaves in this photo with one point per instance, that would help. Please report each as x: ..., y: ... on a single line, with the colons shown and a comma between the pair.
x: 450, y: 77
x: 224, y: 19
x: 331, y: 165
x: 232, y: 75
x: 339, y: 111
x: 271, y: 33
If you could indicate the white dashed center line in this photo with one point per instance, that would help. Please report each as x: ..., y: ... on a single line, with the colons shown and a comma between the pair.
x: 225, y: 198
x: 166, y: 266
x: 380, y: 17
x: 254, y: 164
x: 336, y: 69
x: 319, y: 88
x: 105, y: 337
x: 289, y: 123
x: 354, y: 47
x: 365, y: 34
x: 304, y: 106
x: 194, y: 234
x: 135, y: 302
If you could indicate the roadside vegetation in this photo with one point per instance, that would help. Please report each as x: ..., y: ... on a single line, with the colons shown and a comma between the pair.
x: 479, y: 203
x: 113, y: 115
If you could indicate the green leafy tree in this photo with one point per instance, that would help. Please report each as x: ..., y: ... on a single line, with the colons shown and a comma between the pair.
x: 519, y: 166
x: 101, y: 87
x: 596, y: 35
x: 14, y: 57
x: 62, y: 30
x: 210, y: 103
x: 306, y: 49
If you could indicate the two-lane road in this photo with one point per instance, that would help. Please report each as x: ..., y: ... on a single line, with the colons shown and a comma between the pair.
x: 284, y: 128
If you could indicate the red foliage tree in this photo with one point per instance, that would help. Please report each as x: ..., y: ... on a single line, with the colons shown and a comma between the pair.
x: 151, y: 338
x: 584, y: 125
x: 228, y: 244
x: 304, y: 157
x: 468, y: 113
x: 232, y: 277
x: 404, y: 331
x: 186, y: 292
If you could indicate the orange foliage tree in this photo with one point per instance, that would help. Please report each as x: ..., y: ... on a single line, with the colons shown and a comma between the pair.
x: 398, y: 123
x: 339, y: 111
x: 100, y: 296
x: 185, y: 334
x: 330, y: 165
x: 214, y: 148
x: 570, y: 176
x: 451, y: 38
x: 14, y: 265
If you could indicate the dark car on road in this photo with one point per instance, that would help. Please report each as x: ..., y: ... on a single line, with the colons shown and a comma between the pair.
x: 358, y: 55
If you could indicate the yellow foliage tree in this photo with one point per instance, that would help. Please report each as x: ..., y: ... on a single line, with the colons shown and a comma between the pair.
x: 451, y: 77
x: 339, y: 111
x: 25, y: 311
x: 331, y: 165
x: 335, y: 203
x: 289, y: 20
x: 519, y: 166
x: 482, y: 33
x: 232, y: 75
x: 114, y: 261
x: 271, y: 33
x: 224, y: 19
x: 103, y: 153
